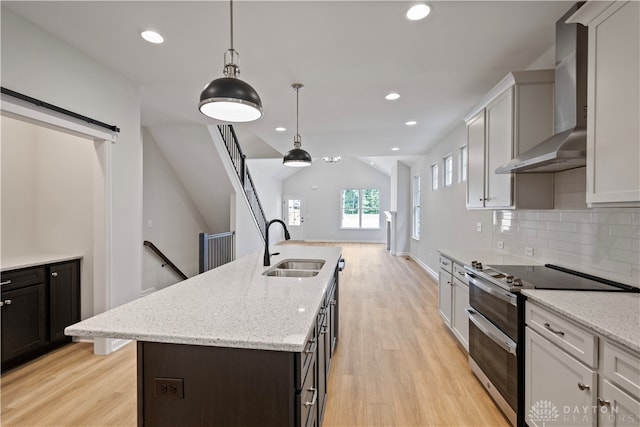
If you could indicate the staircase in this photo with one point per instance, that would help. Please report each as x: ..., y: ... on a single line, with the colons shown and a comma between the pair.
x: 240, y: 165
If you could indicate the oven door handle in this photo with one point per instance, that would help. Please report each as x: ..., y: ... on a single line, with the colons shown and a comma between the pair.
x: 491, y: 331
x: 494, y: 290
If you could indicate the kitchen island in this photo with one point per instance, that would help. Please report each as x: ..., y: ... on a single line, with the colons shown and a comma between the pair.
x: 233, y: 346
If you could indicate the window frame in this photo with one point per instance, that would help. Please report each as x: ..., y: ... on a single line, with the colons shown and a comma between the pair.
x: 463, y: 163
x: 435, y: 175
x: 415, y: 211
x: 447, y: 170
x: 360, y: 209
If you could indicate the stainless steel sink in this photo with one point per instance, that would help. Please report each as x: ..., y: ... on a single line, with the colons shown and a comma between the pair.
x: 300, y: 264
x: 277, y: 272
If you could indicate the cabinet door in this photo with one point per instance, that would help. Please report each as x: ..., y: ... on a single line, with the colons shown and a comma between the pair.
x: 617, y: 408
x: 334, y: 317
x: 459, y: 319
x: 499, y: 150
x: 323, y: 360
x: 445, y: 284
x: 475, y: 161
x: 64, y: 298
x: 557, y: 386
x: 613, y: 128
x: 23, y: 321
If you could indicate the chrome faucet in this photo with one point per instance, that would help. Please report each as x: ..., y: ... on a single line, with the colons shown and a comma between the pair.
x: 267, y: 256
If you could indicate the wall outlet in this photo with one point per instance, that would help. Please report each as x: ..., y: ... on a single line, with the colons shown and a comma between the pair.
x: 150, y: 223
x: 528, y: 251
x: 169, y: 388
x: 500, y: 245
x: 479, y: 227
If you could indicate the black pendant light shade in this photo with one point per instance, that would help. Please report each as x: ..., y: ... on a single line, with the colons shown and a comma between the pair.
x: 231, y: 100
x: 297, y: 157
x: 228, y: 98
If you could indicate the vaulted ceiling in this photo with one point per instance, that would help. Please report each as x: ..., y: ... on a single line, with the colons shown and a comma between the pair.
x: 348, y: 54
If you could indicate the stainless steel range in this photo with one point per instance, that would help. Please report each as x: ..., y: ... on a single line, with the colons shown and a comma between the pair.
x: 496, y: 323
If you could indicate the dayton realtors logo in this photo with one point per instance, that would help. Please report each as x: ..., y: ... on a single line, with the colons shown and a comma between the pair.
x: 543, y: 411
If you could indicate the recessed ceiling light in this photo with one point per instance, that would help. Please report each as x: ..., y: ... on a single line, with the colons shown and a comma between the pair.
x: 392, y: 96
x: 280, y: 129
x: 395, y: 149
x: 152, y: 37
x: 418, y: 12
x: 371, y: 163
x: 411, y: 123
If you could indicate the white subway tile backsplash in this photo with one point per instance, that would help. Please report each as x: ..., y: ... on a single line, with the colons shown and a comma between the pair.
x: 602, y: 241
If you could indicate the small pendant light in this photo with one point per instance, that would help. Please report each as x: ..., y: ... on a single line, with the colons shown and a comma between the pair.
x: 228, y: 98
x: 297, y: 157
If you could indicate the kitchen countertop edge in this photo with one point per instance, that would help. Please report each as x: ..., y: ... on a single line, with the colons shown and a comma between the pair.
x: 586, y: 308
x: 27, y: 261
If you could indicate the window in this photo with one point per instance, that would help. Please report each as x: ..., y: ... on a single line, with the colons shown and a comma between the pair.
x: 462, y: 164
x: 416, y: 207
x: 448, y: 171
x: 360, y: 208
x: 434, y: 177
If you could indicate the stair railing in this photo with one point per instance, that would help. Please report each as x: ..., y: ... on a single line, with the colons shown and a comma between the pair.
x: 240, y: 165
x: 216, y: 250
x: 166, y: 261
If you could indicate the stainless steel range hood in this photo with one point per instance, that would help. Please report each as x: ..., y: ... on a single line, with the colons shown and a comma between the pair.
x: 567, y: 148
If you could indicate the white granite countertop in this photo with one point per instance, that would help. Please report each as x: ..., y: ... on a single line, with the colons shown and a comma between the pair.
x: 231, y: 306
x: 485, y: 256
x: 33, y: 260
x: 615, y: 315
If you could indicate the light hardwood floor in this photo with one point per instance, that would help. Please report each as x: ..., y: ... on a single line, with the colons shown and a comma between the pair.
x: 396, y: 363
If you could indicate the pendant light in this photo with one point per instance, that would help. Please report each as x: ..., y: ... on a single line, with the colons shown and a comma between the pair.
x: 228, y: 98
x: 297, y: 157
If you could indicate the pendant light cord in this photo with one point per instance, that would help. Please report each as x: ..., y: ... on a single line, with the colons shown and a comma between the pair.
x: 231, y: 19
x: 297, y: 110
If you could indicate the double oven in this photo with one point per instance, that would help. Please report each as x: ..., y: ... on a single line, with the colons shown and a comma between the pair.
x: 496, y: 323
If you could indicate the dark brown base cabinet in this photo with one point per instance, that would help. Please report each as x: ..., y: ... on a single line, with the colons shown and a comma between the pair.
x: 37, y: 304
x: 191, y: 385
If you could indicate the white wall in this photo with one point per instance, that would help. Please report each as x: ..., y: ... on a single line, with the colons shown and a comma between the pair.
x: 171, y: 220
x: 445, y: 222
x: 38, y: 64
x: 321, y: 183
x: 54, y: 202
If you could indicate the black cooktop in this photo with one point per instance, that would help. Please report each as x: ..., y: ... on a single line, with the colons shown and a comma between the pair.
x: 551, y: 276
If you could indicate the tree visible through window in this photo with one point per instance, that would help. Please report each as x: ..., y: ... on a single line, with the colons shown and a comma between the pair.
x: 360, y: 208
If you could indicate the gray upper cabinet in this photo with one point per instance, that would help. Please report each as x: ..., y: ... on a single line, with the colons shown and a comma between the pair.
x: 513, y: 117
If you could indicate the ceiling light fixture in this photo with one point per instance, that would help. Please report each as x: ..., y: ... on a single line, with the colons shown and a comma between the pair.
x: 392, y: 96
x: 228, y: 98
x: 333, y: 159
x: 297, y: 157
x: 418, y: 12
x: 395, y: 149
x: 152, y: 36
x: 280, y: 129
x: 411, y: 123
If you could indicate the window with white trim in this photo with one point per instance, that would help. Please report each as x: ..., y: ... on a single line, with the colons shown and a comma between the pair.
x: 360, y: 208
x: 448, y: 170
x: 416, y: 207
x: 434, y: 177
x: 462, y: 164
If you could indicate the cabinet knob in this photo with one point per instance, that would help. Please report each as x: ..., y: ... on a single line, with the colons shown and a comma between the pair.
x: 583, y: 387
x: 54, y: 274
x: 602, y: 402
x: 7, y: 302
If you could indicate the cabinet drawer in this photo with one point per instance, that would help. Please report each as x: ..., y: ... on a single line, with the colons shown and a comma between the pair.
x: 622, y: 368
x: 305, y: 359
x: 308, y: 397
x: 17, y: 278
x: 446, y: 264
x: 575, y: 340
x: 458, y: 273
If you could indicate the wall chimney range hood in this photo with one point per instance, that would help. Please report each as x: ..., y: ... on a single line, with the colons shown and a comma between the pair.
x: 567, y: 148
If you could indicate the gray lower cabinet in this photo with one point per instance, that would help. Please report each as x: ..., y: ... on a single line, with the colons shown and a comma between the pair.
x: 187, y: 385
x: 37, y: 303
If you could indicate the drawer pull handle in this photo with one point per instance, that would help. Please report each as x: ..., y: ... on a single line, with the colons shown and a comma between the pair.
x: 334, y: 302
x: 314, y: 346
x: 7, y: 302
x: 548, y: 326
x: 602, y: 402
x: 583, y: 387
x: 314, y: 399
x: 6, y: 282
x: 324, y: 330
x: 54, y: 274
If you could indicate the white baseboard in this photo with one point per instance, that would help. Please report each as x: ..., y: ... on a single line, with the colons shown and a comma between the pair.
x: 104, y: 346
x: 146, y: 292
x: 426, y: 268
x: 403, y: 254
x: 343, y: 241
